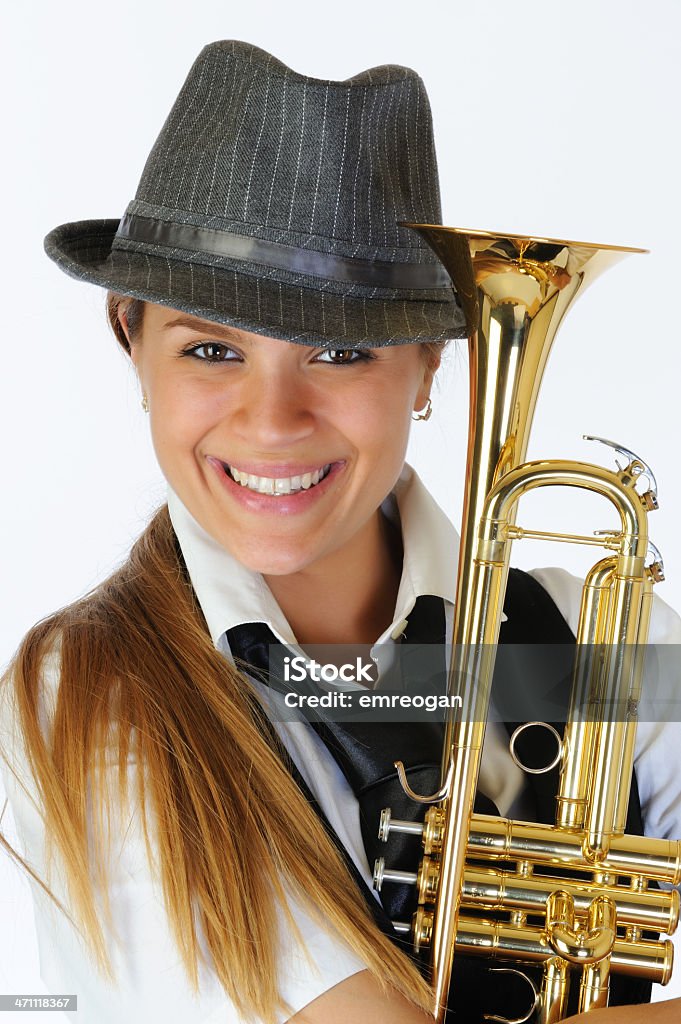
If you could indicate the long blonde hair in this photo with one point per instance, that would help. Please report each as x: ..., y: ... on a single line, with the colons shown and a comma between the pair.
x: 235, y: 836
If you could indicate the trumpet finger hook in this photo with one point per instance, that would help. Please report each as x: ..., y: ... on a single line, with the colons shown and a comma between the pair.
x: 435, y: 798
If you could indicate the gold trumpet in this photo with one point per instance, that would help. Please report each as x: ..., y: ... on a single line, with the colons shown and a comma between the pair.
x: 515, y: 291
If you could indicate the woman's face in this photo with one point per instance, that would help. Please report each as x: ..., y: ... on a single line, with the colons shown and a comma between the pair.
x: 226, y: 403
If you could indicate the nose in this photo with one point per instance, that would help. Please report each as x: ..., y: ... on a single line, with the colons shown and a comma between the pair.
x: 274, y: 409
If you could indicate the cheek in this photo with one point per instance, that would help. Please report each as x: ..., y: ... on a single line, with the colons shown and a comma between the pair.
x: 181, y: 416
x: 381, y: 426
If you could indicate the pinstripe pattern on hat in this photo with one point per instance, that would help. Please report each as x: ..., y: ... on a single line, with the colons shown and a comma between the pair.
x: 314, y: 174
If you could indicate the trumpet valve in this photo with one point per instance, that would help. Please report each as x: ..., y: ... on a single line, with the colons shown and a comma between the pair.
x: 426, y: 879
x: 389, y: 824
x: 384, y: 825
x: 422, y: 925
x: 431, y: 829
x: 383, y: 874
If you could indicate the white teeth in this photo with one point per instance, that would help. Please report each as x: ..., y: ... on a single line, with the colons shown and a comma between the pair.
x: 278, y: 485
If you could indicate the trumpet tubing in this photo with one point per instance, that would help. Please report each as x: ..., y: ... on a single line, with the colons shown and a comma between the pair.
x: 529, y: 945
x: 515, y: 291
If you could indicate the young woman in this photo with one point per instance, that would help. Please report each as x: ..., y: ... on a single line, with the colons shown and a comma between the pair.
x: 192, y: 855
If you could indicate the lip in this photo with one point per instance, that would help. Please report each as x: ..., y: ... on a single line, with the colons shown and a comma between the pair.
x: 285, y: 504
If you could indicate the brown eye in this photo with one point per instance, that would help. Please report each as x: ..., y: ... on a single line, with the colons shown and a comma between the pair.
x: 343, y: 356
x: 212, y: 352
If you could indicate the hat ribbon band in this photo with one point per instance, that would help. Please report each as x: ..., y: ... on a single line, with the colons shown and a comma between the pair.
x: 218, y: 242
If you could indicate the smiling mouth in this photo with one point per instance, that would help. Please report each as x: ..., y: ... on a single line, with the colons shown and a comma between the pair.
x: 277, y: 486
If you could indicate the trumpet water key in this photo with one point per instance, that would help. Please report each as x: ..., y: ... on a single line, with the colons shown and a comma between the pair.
x: 594, y: 910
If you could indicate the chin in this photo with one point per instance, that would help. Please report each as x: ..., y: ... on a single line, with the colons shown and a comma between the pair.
x: 279, y: 567
x: 273, y: 563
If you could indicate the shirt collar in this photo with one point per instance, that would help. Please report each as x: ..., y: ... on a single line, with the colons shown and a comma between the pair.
x: 230, y: 594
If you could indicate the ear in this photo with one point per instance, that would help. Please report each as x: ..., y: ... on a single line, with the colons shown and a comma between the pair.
x: 434, y: 360
x: 122, y: 314
x: 429, y: 370
x: 432, y: 357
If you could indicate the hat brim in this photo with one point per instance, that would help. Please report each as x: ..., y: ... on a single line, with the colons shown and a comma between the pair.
x: 307, y: 315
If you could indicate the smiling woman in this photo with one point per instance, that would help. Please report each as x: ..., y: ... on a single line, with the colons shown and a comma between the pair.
x: 214, y: 858
x: 284, y: 453
x: 316, y: 438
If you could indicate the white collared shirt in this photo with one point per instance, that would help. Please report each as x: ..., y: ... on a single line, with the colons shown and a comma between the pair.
x: 151, y: 980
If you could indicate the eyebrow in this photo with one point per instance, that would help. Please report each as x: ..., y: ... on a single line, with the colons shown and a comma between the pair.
x: 203, y: 326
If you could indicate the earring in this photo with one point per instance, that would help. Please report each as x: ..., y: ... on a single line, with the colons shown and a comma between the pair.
x: 423, y: 414
x: 145, y: 403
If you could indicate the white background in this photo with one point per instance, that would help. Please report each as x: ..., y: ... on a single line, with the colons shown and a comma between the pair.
x: 551, y: 118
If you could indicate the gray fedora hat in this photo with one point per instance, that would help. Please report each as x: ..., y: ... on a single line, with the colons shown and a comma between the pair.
x: 272, y: 201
